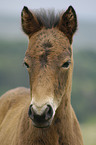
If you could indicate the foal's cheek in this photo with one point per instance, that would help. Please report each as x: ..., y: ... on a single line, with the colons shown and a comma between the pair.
x: 62, y: 80
x: 60, y: 87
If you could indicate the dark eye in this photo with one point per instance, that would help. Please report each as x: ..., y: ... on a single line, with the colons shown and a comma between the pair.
x: 26, y: 64
x: 66, y: 64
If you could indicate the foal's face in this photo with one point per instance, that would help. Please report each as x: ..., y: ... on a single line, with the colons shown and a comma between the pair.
x: 49, y: 63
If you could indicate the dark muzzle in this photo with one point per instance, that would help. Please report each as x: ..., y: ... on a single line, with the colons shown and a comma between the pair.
x: 42, y: 120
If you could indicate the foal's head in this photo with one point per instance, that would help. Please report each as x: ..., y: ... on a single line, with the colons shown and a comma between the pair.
x: 49, y: 61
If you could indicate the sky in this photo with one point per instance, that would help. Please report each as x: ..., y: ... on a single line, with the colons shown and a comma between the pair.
x: 10, y: 13
x: 86, y: 9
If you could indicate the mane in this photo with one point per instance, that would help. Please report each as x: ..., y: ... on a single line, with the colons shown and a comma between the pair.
x: 49, y: 18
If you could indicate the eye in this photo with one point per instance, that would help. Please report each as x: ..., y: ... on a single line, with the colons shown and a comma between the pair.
x: 66, y: 64
x: 26, y: 64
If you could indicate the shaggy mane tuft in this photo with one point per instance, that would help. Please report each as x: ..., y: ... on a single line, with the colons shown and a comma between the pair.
x: 49, y: 18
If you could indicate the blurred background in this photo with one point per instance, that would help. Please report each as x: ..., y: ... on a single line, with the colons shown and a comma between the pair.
x: 13, y: 44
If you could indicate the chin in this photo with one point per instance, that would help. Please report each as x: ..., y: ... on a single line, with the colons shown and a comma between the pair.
x: 42, y: 125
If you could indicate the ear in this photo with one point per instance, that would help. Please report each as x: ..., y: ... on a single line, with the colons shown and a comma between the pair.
x: 29, y: 22
x: 68, y: 23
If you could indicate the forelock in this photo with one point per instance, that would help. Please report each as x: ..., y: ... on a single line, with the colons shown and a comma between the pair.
x: 49, y: 18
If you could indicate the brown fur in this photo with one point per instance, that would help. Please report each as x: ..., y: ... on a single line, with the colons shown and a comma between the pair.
x: 48, y: 52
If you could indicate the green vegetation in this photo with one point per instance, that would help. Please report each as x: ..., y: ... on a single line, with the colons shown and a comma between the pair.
x: 13, y: 74
x: 84, y: 84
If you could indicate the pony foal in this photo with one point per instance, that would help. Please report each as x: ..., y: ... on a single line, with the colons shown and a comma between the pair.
x: 46, y: 117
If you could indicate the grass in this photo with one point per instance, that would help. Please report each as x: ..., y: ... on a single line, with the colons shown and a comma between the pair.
x: 89, y: 133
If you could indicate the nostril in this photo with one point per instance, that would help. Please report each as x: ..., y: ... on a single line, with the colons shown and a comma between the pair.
x: 48, y: 112
x: 31, y: 112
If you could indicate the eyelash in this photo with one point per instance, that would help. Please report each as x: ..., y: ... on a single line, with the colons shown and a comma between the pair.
x: 26, y: 64
x: 66, y: 64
